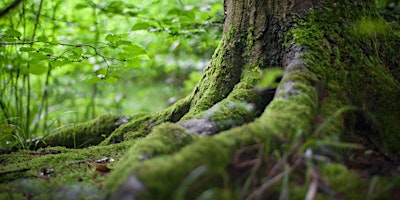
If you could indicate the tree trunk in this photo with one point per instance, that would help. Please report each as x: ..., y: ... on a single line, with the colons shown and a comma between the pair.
x: 339, y: 81
x: 247, y: 133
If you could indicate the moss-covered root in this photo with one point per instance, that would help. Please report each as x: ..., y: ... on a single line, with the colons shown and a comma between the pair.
x: 86, y: 134
x: 163, y: 177
x: 200, y: 167
x: 139, y: 126
x: 241, y: 106
x: 163, y: 139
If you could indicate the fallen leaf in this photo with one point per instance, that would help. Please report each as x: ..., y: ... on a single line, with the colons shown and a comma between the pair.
x: 102, y: 168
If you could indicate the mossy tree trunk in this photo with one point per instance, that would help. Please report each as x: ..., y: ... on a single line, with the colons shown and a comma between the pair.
x: 245, y: 132
x: 339, y: 80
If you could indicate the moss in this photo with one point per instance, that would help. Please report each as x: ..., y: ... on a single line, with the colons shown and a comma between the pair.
x: 221, y: 75
x: 286, y: 116
x: 356, y: 68
x: 40, y: 190
x: 86, y: 134
x: 228, y: 114
x: 139, y: 126
x: 164, y: 139
x: 57, y: 171
x: 175, y: 112
x: 164, y: 175
x: 348, y: 184
x: 172, y: 163
x: 241, y: 106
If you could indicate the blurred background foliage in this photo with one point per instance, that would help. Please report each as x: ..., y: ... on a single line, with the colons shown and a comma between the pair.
x: 67, y: 61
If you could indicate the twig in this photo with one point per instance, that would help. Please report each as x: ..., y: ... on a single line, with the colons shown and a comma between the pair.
x: 13, y: 5
x: 14, y: 171
x: 270, y: 182
x: 266, y: 185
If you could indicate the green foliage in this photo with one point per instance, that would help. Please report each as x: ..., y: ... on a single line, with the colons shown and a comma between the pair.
x: 63, y: 62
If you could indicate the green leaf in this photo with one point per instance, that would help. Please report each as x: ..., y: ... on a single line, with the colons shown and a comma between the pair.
x: 123, y: 42
x: 112, y: 38
x: 42, y: 39
x: 111, y: 80
x: 38, y: 56
x: 132, y: 13
x: 123, y: 35
x: 143, y: 57
x: 46, y: 50
x: 8, y: 39
x: 115, y: 7
x: 12, y: 33
x: 78, y: 51
x: 175, y: 11
x: 132, y: 63
x: 81, y: 6
x: 60, y: 62
x: 123, y: 56
x: 141, y: 26
x: 188, y: 16
x: 26, y: 49
x: 102, y: 71
x: 94, y: 79
x: 135, y: 50
x: 74, y: 56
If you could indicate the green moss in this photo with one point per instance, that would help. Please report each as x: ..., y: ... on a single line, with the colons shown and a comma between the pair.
x: 242, y: 105
x: 172, y: 163
x: 221, y: 75
x: 286, y: 116
x: 164, y: 175
x: 139, y: 126
x: 188, y: 159
x: 355, y: 66
x: 175, y: 112
x: 86, y: 134
x: 57, y: 171
x: 348, y: 184
x: 164, y: 139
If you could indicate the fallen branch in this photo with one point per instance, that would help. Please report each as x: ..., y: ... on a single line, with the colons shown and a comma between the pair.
x: 14, y: 171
